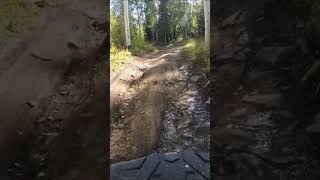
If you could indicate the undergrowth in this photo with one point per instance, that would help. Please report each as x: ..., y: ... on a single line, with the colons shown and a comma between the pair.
x: 140, y: 46
x: 118, y: 57
x: 198, y: 54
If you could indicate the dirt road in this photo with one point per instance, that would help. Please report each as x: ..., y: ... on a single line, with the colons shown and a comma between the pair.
x: 158, y: 105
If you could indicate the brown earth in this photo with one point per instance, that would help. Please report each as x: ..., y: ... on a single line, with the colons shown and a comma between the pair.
x: 51, y: 94
x: 141, y: 95
x: 261, y: 110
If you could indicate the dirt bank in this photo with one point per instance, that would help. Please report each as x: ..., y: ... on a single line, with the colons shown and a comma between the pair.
x: 261, y: 111
x: 33, y: 65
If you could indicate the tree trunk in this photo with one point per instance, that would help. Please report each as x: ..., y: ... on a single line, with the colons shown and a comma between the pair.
x: 153, y: 35
x: 138, y: 13
x: 207, y: 23
x: 126, y: 23
x: 157, y: 36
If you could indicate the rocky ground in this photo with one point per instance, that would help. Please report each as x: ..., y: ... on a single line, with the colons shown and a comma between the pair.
x: 265, y: 103
x: 159, y: 104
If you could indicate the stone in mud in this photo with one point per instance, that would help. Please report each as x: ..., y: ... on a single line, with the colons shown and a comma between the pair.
x: 63, y: 93
x: 260, y: 119
x: 243, y: 39
x: 50, y: 118
x: 274, y: 55
x: 192, y: 93
x: 41, y: 175
x: 231, y: 20
x: 184, y: 121
x: 239, y: 112
x: 267, y: 100
x: 208, y: 101
x: 73, y: 45
x: 240, y: 31
x: 195, y: 78
x: 31, y: 104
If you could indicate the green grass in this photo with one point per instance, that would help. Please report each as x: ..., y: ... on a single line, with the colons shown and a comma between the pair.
x: 118, y: 57
x: 198, y: 54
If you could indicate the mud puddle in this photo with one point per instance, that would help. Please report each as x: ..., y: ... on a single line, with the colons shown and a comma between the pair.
x: 186, y: 121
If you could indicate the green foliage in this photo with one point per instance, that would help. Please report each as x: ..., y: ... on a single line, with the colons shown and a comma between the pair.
x: 151, y: 19
x: 118, y: 57
x: 117, y: 36
x: 156, y: 22
x: 140, y: 46
x: 198, y: 53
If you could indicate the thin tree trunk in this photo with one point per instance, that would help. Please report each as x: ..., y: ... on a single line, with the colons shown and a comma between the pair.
x: 126, y: 23
x: 207, y: 23
x: 153, y: 34
x: 165, y: 38
x: 138, y: 13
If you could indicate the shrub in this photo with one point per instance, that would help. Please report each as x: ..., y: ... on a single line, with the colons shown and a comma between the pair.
x: 140, y: 46
x: 198, y: 53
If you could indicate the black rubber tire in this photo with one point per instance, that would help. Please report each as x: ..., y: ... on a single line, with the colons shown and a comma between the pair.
x: 185, y: 165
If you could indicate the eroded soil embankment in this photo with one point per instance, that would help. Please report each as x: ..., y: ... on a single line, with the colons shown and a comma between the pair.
x: 70, y: 132
x: 263, y: 125
x: 136, y: 126
x: 32, y: 66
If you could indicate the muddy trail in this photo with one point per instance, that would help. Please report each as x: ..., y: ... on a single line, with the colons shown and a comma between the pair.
x: 53, y: 93
x: 266, y: 120
x: 158, y: 104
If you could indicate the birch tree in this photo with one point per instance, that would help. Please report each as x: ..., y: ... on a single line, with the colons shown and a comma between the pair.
x: 126, y: 23
x: 207, y: 22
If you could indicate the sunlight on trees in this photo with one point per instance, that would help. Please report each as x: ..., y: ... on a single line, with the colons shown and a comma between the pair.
x: 126, y: 23
x: 144, y: 24
x: 207, y: 22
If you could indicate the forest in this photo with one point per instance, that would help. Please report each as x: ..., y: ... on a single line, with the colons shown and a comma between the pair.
x: 142, y: 25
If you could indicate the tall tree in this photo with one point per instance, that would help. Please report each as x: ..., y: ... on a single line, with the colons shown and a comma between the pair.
x: 163, y: 21
x: 207, y: 22
x: 151, y: 19
x: 126, y: 23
